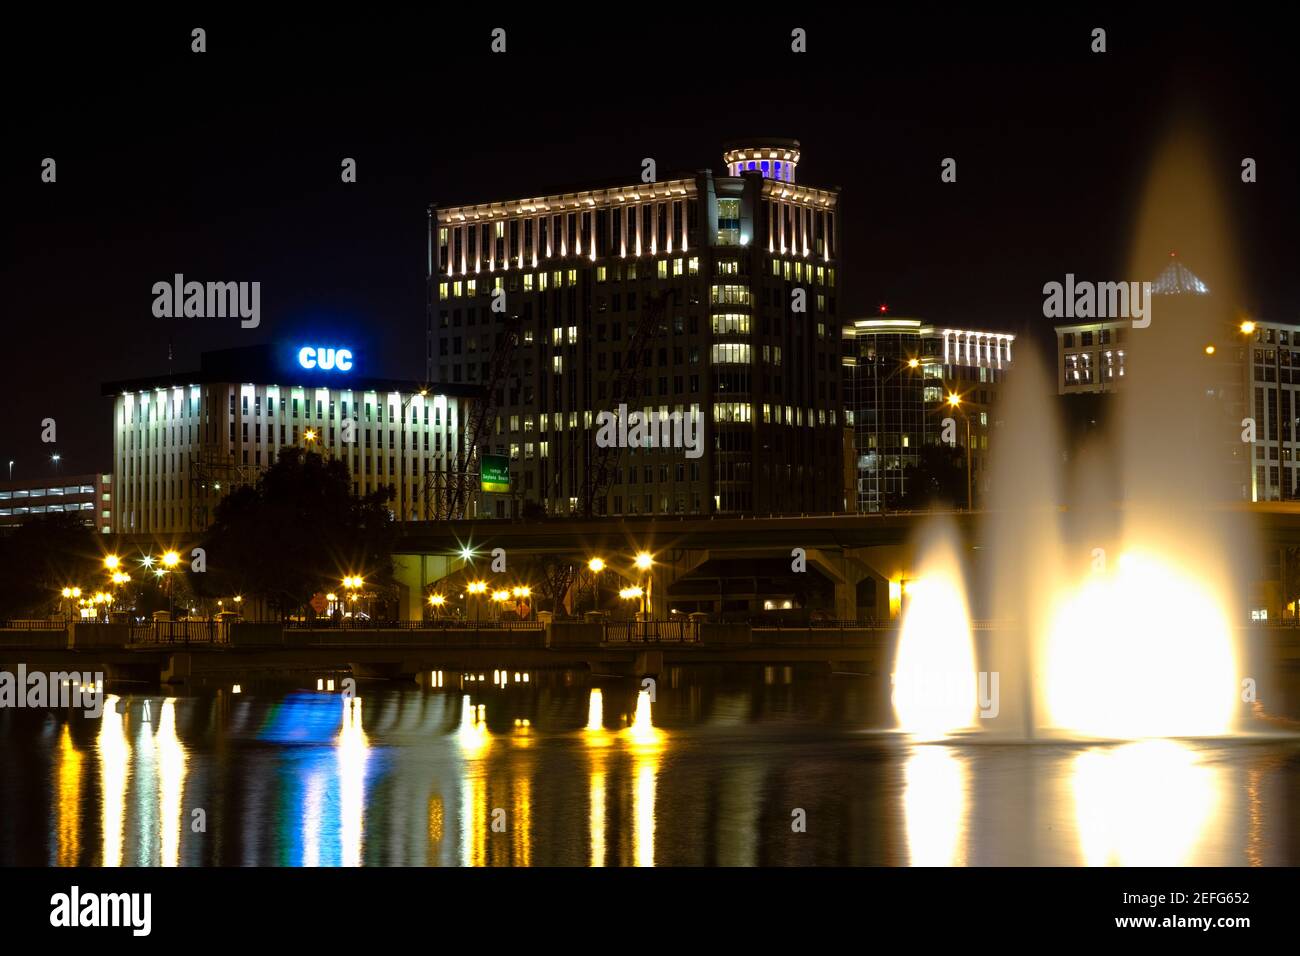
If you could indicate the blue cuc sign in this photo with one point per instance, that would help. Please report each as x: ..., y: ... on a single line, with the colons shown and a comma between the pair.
x: 325, y: 359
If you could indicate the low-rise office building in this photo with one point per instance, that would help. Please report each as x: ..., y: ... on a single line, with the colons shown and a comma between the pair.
x: 90, y: 497
x: 182, y: 442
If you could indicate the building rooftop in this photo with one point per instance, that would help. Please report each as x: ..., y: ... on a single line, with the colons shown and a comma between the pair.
x: 281, y: 365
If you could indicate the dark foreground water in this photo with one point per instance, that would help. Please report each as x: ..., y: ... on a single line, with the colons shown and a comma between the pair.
x: 737, y: 767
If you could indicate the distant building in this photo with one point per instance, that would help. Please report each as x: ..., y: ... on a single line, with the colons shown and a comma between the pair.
x: 748, y: 342
x: 1090, y: 352
x: 899, y: 375
x: 1259, y: 382
x: 90, y: 497
x: 183, y: 442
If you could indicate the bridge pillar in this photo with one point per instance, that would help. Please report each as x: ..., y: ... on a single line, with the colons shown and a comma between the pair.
x: 412, y: 572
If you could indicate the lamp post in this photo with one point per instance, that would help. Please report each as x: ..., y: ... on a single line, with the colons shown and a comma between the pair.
x: 475, y: 589
x: 595, y: 566
x: 954, y: 401
x: 644, y: 562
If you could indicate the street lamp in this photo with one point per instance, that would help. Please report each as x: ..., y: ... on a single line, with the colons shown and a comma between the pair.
x: 56, y: 458
x: 595, y: 566
x: 476, y: 588
x: 954, y: 402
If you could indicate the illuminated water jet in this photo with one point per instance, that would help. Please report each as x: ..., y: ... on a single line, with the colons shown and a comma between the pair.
x: 934, y: 675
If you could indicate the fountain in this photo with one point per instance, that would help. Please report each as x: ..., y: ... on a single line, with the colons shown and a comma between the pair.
x: 1115, y: 608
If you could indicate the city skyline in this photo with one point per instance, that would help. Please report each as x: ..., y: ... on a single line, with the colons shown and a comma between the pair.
x: 974, y: 253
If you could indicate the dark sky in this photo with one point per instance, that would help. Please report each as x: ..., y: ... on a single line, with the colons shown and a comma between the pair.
x: 225, y: 165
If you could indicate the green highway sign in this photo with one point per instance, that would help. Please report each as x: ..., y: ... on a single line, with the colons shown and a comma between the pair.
x: 494, y: 473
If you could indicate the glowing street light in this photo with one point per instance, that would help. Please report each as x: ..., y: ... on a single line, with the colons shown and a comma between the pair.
x: 644, y: 560
x: 913, y: 363
x: 596, y: 564
x: 1209, y: 350
x: 111, y: 562
x: 170, y: 559
x: 1247, y: 327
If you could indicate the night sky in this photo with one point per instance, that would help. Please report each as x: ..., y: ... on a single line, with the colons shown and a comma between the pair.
x: 225, y: 166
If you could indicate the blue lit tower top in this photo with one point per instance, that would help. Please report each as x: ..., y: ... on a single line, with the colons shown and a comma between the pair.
x: 774, y: 158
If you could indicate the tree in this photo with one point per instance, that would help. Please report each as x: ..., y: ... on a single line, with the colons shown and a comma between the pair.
x: 297, y: 532
x: 42, y: 557
x: 938, y: 479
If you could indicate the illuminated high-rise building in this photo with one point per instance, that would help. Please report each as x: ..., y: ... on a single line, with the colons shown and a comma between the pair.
x: 902, y: 378
x: 734, y: 280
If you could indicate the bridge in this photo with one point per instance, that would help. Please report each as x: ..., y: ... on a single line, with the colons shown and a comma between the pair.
x: 854, y: 565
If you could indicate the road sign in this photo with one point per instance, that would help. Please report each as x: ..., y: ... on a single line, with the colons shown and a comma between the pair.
x: 494, y: 474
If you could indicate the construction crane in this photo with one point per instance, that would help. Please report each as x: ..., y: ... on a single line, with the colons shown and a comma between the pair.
x: 603, y: 461
x: 447, y: 493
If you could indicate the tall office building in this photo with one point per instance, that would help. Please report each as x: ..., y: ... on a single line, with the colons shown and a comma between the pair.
x: 900, y: 378
x: 182, y: 442
x: 735, y: 281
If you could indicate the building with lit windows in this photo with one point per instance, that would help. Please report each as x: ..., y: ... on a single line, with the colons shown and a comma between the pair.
x: 748, y: 267
x: 90, y: 497
x: 901, y: 379
x: 182, y: 442
x: 1251, y: 377
x: 1090, y: 352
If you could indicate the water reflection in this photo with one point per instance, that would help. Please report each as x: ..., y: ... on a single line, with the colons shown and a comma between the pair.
x: 352, y: 757
x: 646, y: 743
x: 170, y: 756
x: 114, y: 769
x: 935, y: 788
x: 69, y: 800
x: 607, y: 777
x: 1144, y: 804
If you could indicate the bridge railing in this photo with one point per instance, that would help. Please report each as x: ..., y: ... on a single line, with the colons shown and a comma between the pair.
x: 43, y: 624
x: 181, y: 632
x: 647, y: 632
x: 443, y: 624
